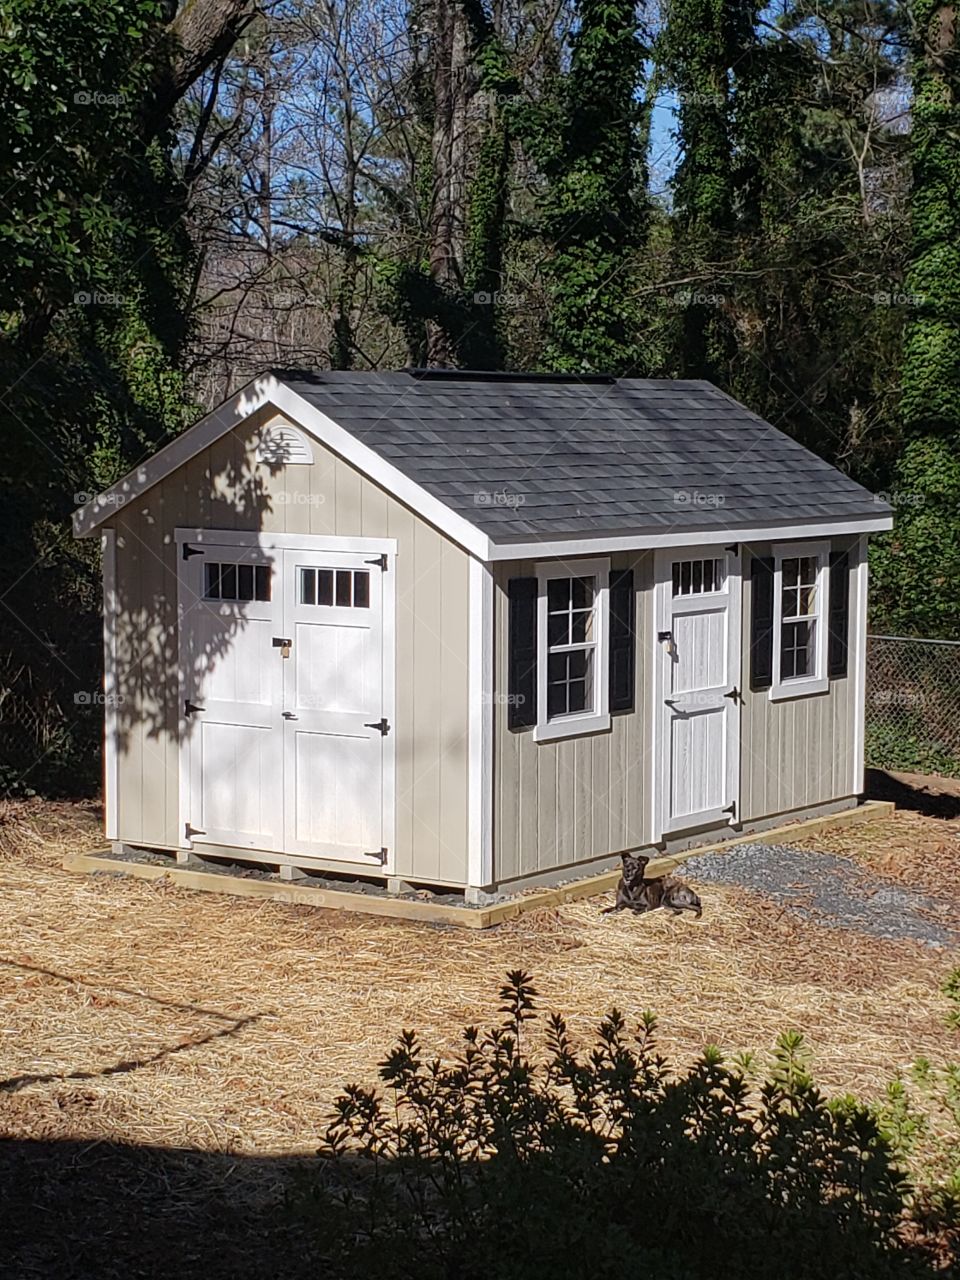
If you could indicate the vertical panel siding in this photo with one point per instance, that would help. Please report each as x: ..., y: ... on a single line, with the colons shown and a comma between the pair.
x: 797, y: 753
x: 560, y: 803
x: 223, y: 488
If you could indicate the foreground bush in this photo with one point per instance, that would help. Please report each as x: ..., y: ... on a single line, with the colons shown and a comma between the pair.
x: 503, y: 1165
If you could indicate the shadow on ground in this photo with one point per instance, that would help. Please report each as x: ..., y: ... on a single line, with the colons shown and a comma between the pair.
x: 101, y: 1210
x: 933, y: 797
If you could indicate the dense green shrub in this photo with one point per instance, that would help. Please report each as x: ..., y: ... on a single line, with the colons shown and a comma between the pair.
x: 502, y: 1164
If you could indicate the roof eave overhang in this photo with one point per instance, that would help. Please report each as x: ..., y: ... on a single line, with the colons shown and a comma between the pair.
x: 784, y: 530
x: 268, y: 391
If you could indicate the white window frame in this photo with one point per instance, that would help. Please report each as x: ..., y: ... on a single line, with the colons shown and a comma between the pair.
x: 802, y: 686
x: 597, y: 720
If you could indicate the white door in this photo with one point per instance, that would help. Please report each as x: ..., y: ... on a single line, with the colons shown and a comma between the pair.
x: 284, y: 735
x: 334, y: 728
x: 697, y: 760
x: 230, y: 610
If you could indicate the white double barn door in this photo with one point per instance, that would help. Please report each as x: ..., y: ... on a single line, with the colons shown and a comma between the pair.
x: 284, y: 738
x: 696, y: 761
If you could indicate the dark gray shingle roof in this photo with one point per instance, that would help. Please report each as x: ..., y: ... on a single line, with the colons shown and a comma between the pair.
x: 528, y: 459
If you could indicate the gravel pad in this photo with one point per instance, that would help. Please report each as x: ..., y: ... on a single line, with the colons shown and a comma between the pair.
x: 832, y: 891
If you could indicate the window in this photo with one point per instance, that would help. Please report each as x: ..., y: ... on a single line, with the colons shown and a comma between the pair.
x: 800, y: 629
x: 239, y: 582
x: 695, y: 577
x: 572, y: 657
x: 344, y: 588
x: 571, y: 643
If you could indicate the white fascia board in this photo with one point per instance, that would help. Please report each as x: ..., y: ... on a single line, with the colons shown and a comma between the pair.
x: 179, y: 451
x: 694, y: 538
x: 384, y: 473
x: 268, y: 391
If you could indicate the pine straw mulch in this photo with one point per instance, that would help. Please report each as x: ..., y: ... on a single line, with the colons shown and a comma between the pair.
x: 911, y: 848
x: 139, y: 1012
x: 167, y: 1058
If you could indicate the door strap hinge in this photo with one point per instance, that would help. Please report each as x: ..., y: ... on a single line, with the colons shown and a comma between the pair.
x: 381, y: 724
x: 190, y: 707
x: 733, y: 694
x: 190, y: 832
x: 189, y: 551
x: 379, y: 854
x: 381, y: 560
x: 734, y: 548
x: 732, y: 810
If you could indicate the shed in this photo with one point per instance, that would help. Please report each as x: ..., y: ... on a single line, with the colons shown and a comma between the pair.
x: 479, y: 631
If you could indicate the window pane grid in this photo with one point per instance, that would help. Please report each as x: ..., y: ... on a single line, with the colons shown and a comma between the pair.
x: 799, y: 616
x: 699, y: 577
x: 571, y: 640
x: 239, y: 583
x: 343, y: 588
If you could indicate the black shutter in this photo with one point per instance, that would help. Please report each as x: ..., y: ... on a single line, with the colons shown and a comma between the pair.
x: 761, y: 622
x: 838, y: 643
x: 522, y: 662
x: 623, y: 647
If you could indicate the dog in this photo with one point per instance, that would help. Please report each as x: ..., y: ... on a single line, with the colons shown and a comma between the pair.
x: 634, y: 893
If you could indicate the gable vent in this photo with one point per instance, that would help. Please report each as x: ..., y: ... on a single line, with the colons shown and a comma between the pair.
x: 282, y: 445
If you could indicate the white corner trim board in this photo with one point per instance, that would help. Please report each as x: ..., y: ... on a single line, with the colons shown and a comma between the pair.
x: 268, y: 390
x: 859, y: 668
x: 111, y: 755
x: 480, y: 726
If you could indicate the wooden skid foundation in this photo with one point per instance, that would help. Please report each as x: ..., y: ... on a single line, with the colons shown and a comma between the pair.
x: 446, y: 913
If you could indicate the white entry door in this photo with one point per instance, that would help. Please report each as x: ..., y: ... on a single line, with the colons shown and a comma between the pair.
x: 334, y: 726
x: 697, y: 706
x: 284, y: 732
x: 230, y: 610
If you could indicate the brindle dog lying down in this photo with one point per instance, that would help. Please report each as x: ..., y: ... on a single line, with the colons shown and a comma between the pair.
x: 636, y: 894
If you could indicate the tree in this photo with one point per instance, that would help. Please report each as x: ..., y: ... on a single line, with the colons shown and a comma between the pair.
x: 587, y: 139
x: 701, y: 47
x: 918, y: 565
x: 94, y: 277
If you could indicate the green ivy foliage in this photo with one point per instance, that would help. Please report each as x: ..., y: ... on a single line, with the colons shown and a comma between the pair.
x: 95, y: 266
x: 917, y: 566
x: 587, y: 137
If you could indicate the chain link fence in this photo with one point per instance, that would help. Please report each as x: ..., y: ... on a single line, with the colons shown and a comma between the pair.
x: 912, y: 715
x: 913, y: 705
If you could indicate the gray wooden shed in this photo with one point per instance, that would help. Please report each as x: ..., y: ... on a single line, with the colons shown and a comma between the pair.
x: 479, y: 631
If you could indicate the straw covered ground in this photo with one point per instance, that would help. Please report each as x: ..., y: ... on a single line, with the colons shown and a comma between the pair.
x: 132, y: 1012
